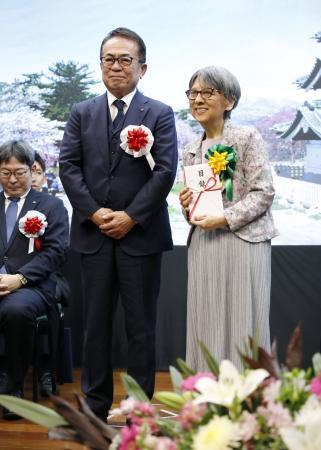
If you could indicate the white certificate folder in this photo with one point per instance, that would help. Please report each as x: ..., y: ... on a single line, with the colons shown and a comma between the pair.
x: 206, y: 188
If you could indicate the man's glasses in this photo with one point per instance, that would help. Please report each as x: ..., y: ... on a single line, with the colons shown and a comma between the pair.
x: 19, y: 173
x: 205, y: 93
x: 123, y: 61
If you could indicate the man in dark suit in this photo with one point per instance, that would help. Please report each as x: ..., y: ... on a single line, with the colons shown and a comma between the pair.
x: 25, y: 263
x: 39, y: 182
x: 120, y: 222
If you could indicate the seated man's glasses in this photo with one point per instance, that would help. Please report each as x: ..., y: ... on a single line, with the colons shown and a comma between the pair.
x: 205, y: 93
x: 19, y: 173
x: 123, y: 61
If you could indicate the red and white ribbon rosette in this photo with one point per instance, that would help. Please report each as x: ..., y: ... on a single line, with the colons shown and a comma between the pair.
x: 137, y: 140
x: 33, y: 225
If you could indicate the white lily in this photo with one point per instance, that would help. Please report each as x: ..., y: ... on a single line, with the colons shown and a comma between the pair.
x: 307, y: 437
x: 306, y: 434
x: 229, y: 386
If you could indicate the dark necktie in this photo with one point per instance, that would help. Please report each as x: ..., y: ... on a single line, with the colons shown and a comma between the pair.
x: 11, y: 215
x: 120, y: 115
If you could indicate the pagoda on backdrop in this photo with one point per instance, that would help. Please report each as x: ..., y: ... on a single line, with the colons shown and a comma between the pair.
x: 306, y: 125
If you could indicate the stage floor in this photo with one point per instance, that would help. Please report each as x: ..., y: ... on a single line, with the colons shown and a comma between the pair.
x: 22, y: 435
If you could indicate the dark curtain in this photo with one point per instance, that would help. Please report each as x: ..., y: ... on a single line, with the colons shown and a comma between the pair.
x: 295, y: 297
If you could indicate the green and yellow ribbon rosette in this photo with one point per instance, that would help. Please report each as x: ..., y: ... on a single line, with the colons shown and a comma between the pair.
x: 222, y: 160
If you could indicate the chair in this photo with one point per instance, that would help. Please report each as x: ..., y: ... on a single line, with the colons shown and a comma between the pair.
x: 52, y: 325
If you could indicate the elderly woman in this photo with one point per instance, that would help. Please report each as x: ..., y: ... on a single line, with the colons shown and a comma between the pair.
x: 229, y: 254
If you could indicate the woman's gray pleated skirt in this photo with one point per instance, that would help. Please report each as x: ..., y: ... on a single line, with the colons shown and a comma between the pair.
x: 229, y: 284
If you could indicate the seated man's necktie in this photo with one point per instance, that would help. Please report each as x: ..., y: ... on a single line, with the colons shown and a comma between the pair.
x: 120, y: 114
x: 11, y: 215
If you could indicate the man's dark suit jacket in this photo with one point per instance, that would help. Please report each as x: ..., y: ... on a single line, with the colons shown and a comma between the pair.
x: 93, y: 178
x: 38, y: 265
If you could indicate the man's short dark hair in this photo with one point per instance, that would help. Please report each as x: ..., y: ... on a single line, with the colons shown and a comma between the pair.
x: 20, y: 150
x: 128, y: 34
x: 40, y: 161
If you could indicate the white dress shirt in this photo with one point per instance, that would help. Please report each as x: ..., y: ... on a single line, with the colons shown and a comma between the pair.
x: 20, y: 202
x: 113, y: 109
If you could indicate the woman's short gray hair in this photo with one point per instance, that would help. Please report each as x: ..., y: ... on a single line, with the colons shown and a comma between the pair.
x: 220, y: 79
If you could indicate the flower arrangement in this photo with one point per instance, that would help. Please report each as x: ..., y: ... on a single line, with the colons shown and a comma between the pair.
x: 33, y: 225
x: 137, y: 141
x: 222, y: 160
x: 266, y: 407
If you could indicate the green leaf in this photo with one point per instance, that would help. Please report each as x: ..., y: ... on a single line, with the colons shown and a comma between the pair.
x: 316, y: 362
x: 183, y: 367
x: 229, y: 189
x: 170, y: 399
x: 210, y: 361
x: 34, y: 412
x: 230, y: 171
x: 255, y: 346
x: 169, y: 427
x: 132, y: 388
x: 176, y: 378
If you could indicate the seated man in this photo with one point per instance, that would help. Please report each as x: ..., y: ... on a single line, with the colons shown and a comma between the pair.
x: 39, y: 183
x: 26, y: 263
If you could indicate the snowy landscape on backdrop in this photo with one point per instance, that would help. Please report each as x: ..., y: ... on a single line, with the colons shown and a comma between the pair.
x: 276, y: 58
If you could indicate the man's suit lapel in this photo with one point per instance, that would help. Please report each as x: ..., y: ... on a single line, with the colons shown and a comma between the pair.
x: 3, y: 232
x: 100, y: 117
x: 30, y: 203
x: 136, y: 112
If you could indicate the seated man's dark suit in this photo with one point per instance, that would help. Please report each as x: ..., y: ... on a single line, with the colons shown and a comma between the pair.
x: 96, y: 172
x: 19, y: 309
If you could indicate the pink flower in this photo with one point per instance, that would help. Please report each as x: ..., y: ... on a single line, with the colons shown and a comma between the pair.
x: 150, y: 421
x: 189, y: 383
x: 249, y: 425
x: 315, y: 386
x: 145, y: 409
x: 191, y: 414
x: 275, y: 415
x: 128, y: 436
x: 141, y: 413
